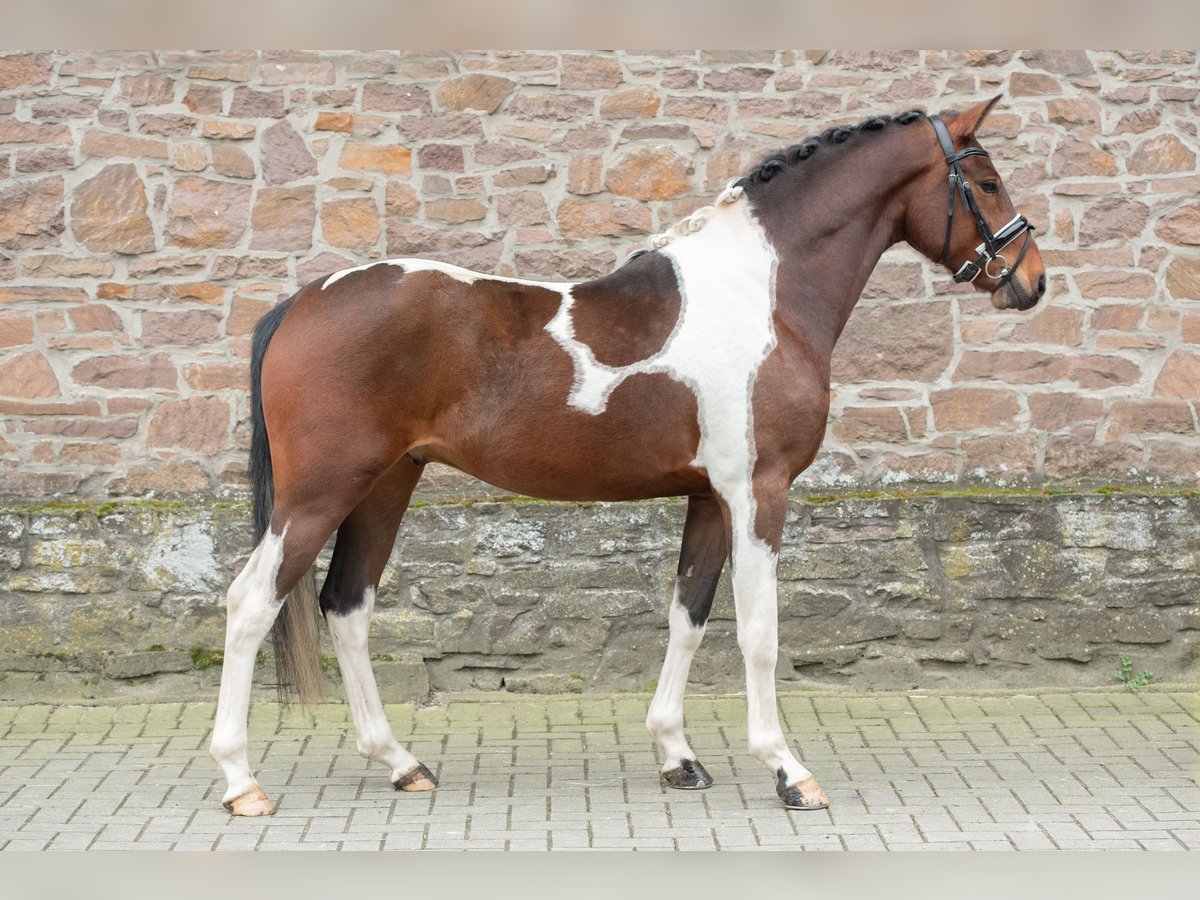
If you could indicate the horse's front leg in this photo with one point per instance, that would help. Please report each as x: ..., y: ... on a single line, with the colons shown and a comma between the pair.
x: 756, y: 536
x: 701, y: 559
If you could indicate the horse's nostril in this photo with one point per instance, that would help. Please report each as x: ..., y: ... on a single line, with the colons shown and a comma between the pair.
x: 1041, y: 285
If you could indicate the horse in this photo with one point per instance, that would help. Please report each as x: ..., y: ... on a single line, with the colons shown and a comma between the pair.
x: 699, y: 368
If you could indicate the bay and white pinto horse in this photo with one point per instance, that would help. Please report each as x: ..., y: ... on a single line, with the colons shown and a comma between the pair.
x: 699, y: 368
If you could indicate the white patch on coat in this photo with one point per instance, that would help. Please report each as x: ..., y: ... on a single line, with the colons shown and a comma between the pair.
x: 726, y: 278
x: 458, y: 273
x: 251, y: 607
x: 374, y: 735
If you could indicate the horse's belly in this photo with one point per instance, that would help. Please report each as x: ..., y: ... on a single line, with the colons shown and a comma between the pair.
x: 532, y: 442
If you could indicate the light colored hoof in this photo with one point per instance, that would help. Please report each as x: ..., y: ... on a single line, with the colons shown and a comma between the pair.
x: 415, y: 780
x: 252, y: 803
x: 806, y: 794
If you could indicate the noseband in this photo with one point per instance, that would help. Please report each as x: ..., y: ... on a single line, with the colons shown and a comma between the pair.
x: 989, y: 251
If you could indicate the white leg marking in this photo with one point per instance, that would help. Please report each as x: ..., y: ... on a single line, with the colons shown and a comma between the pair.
x: 251, y: 607
x: 725, y: 275
x: 374, y: 734
x: 755, y: 599
x: 665, y: 718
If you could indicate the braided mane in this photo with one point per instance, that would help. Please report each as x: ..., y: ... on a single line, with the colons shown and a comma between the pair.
x: 772, y: 165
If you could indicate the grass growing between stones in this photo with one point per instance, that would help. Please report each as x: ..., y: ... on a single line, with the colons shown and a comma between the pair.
x: 105, y: 508
x: 203, y: 658
x: 102, y: 508
x: 648, y: 688
x: 1103, y: 490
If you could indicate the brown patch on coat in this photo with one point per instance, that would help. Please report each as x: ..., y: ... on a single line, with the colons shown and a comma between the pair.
x: 628, y: 315
x: 789, y: 406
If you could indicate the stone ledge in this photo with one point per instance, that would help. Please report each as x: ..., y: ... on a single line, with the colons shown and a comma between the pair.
x: 877, y: 590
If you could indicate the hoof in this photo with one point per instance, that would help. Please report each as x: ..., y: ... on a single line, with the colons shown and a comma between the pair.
x: 806, y: 794
x: 688, y: 776
x: 418, y: 779
x: 252, y: 803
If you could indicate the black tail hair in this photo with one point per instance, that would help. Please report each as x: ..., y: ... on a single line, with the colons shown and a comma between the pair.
x: 262, y: 479
x: 294, y: 633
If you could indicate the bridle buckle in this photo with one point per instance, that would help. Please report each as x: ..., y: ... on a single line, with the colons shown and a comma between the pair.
x: 969, y: 271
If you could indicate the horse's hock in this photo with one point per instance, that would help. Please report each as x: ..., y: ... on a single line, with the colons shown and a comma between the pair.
x: 881, y: 592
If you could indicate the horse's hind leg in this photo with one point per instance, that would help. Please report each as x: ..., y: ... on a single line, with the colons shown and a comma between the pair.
x: 700, y: 560
x: 364, y: 543
x: 280, y: 560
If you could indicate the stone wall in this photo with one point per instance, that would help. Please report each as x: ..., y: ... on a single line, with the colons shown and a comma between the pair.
x: 154, y: 204
x: 967, y: 590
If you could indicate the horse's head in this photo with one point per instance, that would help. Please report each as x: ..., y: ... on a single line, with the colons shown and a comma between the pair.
x: 960, y: 216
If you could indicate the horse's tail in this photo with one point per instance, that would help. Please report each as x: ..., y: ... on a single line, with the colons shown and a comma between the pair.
x: 294, y: 634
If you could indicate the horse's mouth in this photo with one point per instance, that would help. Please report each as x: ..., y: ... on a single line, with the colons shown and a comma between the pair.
x: 1012, y: 296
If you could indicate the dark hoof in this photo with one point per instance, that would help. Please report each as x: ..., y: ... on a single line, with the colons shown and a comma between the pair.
x: 418, y: 779
x: 689, y: 776
x: 806, y: 794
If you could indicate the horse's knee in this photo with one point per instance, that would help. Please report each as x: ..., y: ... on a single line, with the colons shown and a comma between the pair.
x: 759, y: 645
x: 688, y: 638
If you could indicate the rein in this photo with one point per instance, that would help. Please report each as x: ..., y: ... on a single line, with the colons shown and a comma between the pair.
x: 989, y: 251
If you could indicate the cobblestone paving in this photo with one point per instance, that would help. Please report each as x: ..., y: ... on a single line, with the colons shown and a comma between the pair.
x: 1025, y: 771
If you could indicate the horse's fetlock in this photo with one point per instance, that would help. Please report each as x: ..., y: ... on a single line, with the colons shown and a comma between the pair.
x: 765, y: 751
x: 656, y: 724
x: 370, y: 746
x: 220, y: 750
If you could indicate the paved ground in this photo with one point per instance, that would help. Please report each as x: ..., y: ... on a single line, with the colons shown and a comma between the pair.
x: 1042, y: 770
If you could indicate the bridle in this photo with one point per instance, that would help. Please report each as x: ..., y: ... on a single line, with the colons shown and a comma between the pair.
x: 989, y: 251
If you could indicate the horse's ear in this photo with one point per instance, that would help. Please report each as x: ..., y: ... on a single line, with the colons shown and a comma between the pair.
x: 966, y: 122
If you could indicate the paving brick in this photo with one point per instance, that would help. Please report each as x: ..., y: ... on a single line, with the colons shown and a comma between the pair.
x: 915, y: 772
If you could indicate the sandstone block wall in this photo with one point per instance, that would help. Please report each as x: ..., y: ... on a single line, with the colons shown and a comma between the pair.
x: 154, y: 204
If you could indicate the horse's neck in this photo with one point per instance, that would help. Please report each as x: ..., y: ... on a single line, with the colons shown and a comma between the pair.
x: 828, y: 237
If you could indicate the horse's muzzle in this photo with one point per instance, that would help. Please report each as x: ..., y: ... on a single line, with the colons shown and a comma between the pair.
x: 1013, y: 296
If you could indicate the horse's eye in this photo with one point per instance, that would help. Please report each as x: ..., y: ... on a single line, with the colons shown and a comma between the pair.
x: 989, y: 187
